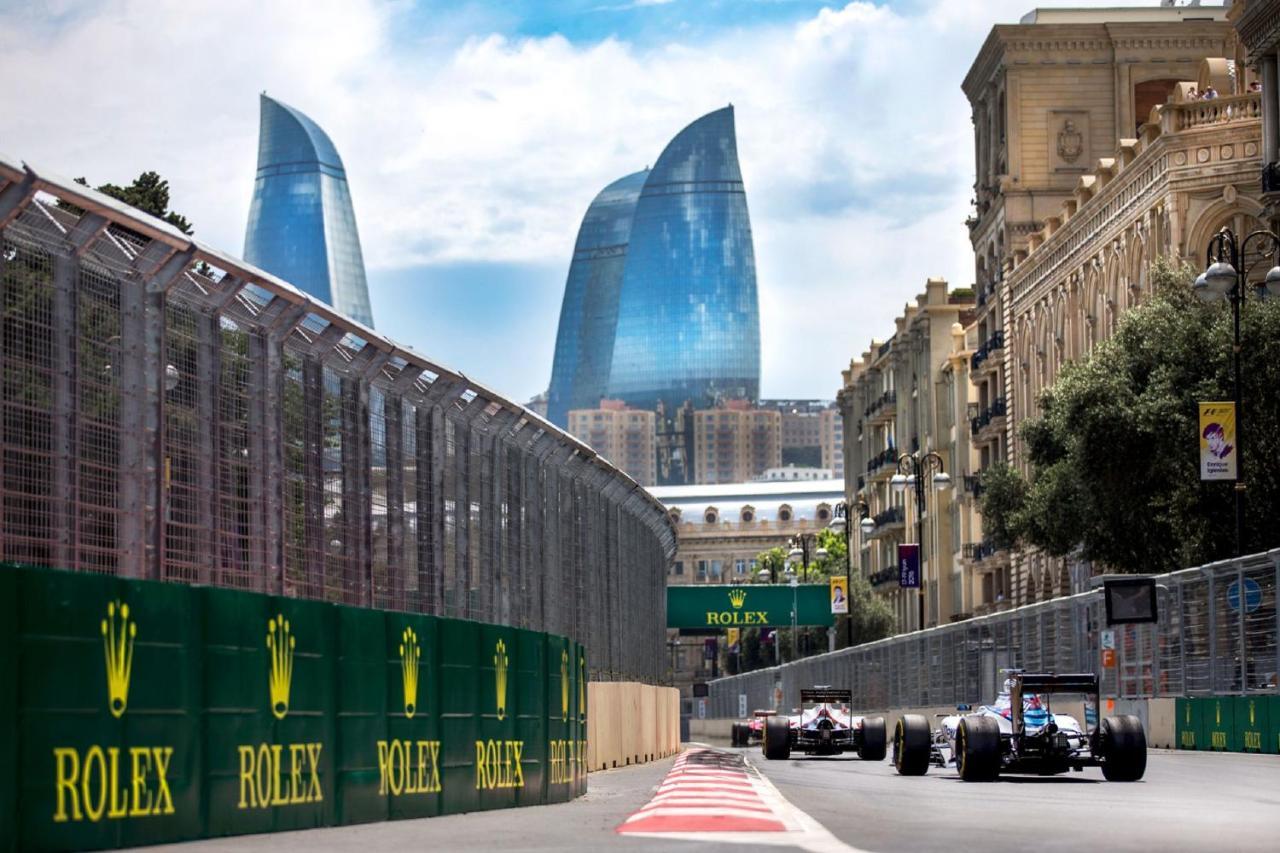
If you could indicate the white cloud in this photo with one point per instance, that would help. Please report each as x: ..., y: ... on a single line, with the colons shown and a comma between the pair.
x: 854, y: 138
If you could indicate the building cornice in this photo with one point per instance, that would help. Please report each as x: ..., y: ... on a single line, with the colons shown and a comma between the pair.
x: 1259, y: 27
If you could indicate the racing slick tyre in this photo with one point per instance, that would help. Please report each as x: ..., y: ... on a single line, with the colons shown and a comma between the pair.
x: 872, y: 747
x: 1123, y: 748
x: 777, y: 739
x: 912, y: 745
x: 738, y: 735
x: 978, y: 749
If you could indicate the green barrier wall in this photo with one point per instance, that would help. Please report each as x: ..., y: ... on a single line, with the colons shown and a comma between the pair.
x: 1229, y: 723
x: 148, y: 712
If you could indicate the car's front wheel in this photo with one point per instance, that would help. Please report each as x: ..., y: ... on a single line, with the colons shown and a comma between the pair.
x: 872, y: 747
x: 1123, y: 748
x: 777, y: 739
x: 911, y: 745
x: 978, y: 749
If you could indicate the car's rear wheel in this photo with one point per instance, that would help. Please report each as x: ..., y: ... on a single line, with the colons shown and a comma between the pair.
x: 777, y: 739
x: 978, y: 749
x: 1123, y: 747
x: 735, y: 734
x: 873, y: 739
x: 911, y: 745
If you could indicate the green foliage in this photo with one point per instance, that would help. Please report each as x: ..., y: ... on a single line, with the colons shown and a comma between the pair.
x: 149, y: 193
x: 1114, y: 453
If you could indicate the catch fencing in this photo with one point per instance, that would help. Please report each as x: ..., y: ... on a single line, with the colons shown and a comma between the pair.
x: 171, y: 413
x: 1216, y: 635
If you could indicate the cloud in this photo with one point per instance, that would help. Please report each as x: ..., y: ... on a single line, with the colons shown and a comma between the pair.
x: 472, y: 150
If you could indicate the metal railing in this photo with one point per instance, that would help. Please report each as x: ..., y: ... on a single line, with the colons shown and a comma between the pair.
x: 172, y: 413
x: 995, y: 410
x: 1216, y: 634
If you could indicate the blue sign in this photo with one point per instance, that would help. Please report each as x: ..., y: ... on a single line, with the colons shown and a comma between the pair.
x: 909, y: 566
x: 1252, y: 595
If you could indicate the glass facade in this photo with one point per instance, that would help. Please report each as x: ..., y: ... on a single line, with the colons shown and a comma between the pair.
x: 688, y: 315
x: 589, y: 313
x: 660, y: 303
x: 302, y: 227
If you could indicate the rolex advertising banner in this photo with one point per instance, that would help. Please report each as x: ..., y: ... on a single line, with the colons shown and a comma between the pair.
x: 839, y: 595
x: 1218, y: 441
x: 145, y: 712
x: 747, y: 605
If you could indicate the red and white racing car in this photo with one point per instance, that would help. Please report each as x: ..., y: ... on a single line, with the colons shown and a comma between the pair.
x: 824, y: 726
x: 751, y: 731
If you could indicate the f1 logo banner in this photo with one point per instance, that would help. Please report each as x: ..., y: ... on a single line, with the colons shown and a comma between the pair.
x: 909, y: 566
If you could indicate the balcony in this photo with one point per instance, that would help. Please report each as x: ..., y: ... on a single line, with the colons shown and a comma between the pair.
x: 985, y: 352
x: 886, y: 575
x: 973, y: 485
x: 883, y: 464
x: 977, y: 552
x: 989, y: 420
x: 887, y: 521
x: 883, y: 408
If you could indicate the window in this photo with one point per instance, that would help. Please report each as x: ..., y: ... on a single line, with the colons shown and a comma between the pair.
x: 715, y: 569
x: 739, y: 567
x: 702, y: 570
x: 679, y: 570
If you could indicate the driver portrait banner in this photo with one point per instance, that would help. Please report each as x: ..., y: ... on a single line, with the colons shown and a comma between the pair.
x: 839, y: 595
x: 1218, y: 441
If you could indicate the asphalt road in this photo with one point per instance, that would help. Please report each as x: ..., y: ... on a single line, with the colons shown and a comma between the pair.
x: 1188, y: 801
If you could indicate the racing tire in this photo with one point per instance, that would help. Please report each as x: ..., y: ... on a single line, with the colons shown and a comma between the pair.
x: 1123, y: 747
x: 872, y: 747
x: 978, y: 749
x: 777, y: 739
x: 912, y: 745
x: 738, y: 735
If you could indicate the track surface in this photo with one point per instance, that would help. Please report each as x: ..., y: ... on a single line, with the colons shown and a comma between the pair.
x: 1188, y: 801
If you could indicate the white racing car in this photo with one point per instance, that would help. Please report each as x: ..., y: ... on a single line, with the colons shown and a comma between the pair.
x: 824, y: 726
x: 1020, y: 733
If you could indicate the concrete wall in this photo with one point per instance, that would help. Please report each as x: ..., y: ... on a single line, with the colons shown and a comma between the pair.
x: 631, y: 723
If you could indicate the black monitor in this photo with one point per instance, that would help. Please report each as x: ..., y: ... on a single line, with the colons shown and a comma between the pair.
x: 1130, y: 601
x: 700, y: 690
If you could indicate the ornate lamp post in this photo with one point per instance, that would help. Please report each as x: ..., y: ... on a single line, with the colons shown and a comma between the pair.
x: 912, y: 469
x: 799, y: 546
x: 840, y: 524
x: 1227, y: 269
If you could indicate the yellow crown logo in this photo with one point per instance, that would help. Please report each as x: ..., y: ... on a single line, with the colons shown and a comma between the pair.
x: 410, y: 654
x: 564, y: 685
x: 500, y: 674
x: 280, y: 644
x: 737, y: 597
x: 582, y: 687
x: 118, y: 634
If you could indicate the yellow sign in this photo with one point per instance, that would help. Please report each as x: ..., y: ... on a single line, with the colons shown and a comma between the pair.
x: 564, y: 685
x: 410, y: 655
x: 839, y: 595
x: 118, y: 634
x: 1218, y: 450
x: 280, y: 644
x: 500, y: 675
x: 731, y: 636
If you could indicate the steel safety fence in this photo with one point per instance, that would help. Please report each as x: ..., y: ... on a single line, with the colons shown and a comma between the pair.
x: 172, y: 413
x: 1216, y: 635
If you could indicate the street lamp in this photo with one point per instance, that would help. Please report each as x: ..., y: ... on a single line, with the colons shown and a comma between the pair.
x: 800, y: 545
x: 1226, y: 271
x: 840, y: 524
x: 912, y: 469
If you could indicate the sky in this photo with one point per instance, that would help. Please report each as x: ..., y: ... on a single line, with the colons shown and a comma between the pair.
x: 475, y: 134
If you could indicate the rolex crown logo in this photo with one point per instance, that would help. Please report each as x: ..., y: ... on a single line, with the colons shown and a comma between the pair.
x: 564, y: 685
x: 410, y: 655
x: 500, y: 675
x: 737, y: 597
x: 118, y: 634
x: 280, y: 644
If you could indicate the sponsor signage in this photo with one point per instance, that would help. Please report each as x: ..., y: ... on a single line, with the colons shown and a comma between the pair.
x: 909, y: 566
x: 151, y: 712
x: 839, y: 595
x: 1218, y: 449
x: 747, y: 605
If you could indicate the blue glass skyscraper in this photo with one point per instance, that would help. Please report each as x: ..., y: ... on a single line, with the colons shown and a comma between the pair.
x: 686, y: 323
x: 301, y: 224
x: 589, y: 313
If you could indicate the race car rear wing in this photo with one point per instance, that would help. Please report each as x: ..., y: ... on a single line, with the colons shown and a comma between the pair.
x: 765, y: 714
x: 826, y: 696
x: 1075, y: 682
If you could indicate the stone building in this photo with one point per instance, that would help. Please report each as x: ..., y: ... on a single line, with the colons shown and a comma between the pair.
x: 622, y: 435
x: 900, y: 398
x: 735, y: 442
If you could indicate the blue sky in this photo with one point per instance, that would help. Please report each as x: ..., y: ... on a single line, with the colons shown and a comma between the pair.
x: 475, y: 135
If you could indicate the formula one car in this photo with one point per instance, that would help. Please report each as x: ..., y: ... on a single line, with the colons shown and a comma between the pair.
x: 824, y: 726
x: 1020, y: 733
x: 751, y: 731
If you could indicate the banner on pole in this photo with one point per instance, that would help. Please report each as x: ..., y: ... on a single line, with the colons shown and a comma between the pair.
x: 839, y: 595
x: 1218, y: 448
x: 909, y: 566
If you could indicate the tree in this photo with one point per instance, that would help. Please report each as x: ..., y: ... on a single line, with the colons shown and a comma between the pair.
x: 149, y: 193
x: 1114, y: 452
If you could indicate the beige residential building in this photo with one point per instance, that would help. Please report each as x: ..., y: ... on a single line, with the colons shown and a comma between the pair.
x: 735, y: 442
x: 626, y: 437
x: 902, y: 397
x: 832, y: 441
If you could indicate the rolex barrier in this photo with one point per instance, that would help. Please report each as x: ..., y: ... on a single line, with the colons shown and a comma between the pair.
x: 138, y: 712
